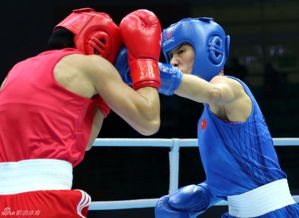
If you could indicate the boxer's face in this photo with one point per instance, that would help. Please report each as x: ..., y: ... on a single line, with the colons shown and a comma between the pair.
x: 182, y: 57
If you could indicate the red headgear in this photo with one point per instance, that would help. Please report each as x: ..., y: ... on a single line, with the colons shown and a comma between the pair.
x: 95, y: 32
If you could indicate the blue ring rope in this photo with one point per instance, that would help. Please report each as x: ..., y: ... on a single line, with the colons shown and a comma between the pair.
x: 174, y: 144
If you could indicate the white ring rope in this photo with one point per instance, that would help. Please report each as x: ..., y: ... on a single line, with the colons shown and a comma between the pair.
x: 174, y: 144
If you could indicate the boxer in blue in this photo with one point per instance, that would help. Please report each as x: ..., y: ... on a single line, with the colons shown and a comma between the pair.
x: 235, y: 145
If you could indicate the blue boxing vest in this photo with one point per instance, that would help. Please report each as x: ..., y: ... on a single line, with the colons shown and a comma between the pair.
x: 237, y: 157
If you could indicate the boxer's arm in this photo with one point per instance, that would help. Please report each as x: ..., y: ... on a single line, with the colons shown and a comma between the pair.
x: 186, y: 85
x: 217, y: 91
x: 225, y: 96
x: 140, y: 108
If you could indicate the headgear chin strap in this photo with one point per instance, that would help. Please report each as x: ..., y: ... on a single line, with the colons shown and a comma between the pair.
x: 208, y: 39
x: 94, y: 32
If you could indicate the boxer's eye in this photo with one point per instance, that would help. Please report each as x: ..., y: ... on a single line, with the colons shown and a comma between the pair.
x: 180, y: 51
x: 177, y: 50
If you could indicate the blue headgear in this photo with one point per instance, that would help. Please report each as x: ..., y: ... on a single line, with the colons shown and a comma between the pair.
x: 208, y: 39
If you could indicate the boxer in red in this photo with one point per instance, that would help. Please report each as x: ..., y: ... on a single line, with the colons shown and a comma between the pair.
x: 52, y: 107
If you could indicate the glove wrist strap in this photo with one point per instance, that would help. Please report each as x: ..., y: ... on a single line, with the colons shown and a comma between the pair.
x: 145, y: 72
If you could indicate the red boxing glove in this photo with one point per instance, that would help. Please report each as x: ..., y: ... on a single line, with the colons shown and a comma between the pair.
x: 141, y: 33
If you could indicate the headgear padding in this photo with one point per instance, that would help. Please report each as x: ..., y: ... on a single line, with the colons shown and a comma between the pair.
x: 208, y: 39
x: 94, y: 32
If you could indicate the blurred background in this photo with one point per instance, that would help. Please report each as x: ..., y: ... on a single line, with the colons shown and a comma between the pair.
x: 264, y: 53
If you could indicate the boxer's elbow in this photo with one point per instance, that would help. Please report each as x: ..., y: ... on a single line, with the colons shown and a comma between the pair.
x: 150, y: 117
x: 154, y: 127
x: 150, y: 127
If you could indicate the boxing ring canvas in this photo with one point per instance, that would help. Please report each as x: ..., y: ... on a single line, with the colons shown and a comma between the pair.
x: 174, y: 145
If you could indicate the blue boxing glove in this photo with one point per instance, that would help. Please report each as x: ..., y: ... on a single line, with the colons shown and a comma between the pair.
x: 188, y: 201
x: 122, y: 65
x: 164, y: 210
x: 171, y: 77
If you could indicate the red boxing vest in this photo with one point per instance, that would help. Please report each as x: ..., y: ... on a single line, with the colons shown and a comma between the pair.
x: 38, y: 117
